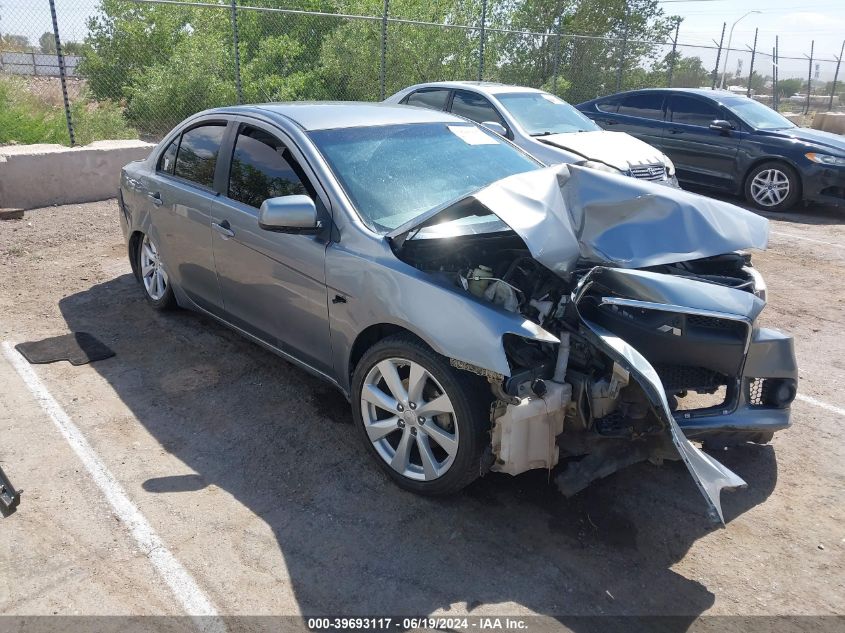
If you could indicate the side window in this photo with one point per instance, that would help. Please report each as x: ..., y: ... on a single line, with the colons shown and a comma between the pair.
x: 689, y: 111
x: 168, y: 158
x: 474, y: 107
x: 197, y: 154
x: 645, y: 106
x: 611, y: 105
x: 433, y: 99
x: 262, y: 167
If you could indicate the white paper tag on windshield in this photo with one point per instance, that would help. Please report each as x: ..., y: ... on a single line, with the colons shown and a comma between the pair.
x: 472, y: 135
x: 551, y: 98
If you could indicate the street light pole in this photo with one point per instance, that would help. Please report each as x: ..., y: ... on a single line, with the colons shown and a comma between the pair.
x: 728, y: 49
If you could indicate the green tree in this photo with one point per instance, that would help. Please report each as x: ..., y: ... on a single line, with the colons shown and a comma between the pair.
x: 789, y: 87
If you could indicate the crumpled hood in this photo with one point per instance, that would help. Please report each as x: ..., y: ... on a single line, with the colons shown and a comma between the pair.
x: 617, y: 149
x: 566, y: 213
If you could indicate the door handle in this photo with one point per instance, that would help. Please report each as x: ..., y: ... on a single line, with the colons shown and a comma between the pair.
x: 610, y: 122
x: 676, y: 131
x: 224, y: 228
x: 156, y: 198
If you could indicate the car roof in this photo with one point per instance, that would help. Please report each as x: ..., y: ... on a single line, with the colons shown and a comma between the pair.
x: 716, y: 95
x: 326, y: 115
x: 487, y: 87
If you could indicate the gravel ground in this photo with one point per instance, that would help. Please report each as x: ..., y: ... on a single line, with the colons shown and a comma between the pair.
x: 251, y: 474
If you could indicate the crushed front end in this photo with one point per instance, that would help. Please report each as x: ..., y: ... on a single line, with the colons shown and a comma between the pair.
x: 654, y: 309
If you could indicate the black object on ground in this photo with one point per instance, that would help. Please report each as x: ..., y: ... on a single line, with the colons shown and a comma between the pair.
x: 9, y: 497
x: 77, y: 347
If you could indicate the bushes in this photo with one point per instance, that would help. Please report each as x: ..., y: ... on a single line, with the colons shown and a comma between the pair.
x: 29, y: 118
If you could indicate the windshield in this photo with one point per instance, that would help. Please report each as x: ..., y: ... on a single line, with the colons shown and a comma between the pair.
x: 758, y: 115
x: 540, y: 113
x: 394, y: 173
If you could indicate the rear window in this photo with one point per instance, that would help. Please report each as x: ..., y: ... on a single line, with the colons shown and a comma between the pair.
x: 197, y: 157
x: 432, y: 99
x: 611, y: 105
x: 645, y: 106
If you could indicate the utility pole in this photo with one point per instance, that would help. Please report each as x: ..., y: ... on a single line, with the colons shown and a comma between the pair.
x: 728, y: 50
x: 718, y: 55
x: 836, y: 76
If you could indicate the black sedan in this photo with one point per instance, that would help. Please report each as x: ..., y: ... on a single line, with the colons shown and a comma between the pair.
x: 730, y: 143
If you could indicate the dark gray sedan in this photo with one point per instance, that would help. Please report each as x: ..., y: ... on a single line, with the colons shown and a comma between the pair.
x: 481, y: 312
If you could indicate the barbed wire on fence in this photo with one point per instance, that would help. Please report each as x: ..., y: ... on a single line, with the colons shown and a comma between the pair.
x: 158, y: 61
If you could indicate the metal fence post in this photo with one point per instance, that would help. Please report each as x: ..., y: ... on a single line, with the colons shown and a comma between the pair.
x: 382, y: 75
x: 836, y: 76
x: 718, y: 57
x: 751, y: 69
x: 810, y: 77
x: 61, y: 59
x: 774, y: 79
x: 238, y: 86
x: 674, y: 52
x: 482, y: 41
x: 556, y: 61
x: 776, y: 93
x: 624, y: 49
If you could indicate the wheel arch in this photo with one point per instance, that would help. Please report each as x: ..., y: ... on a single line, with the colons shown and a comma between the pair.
x: 133, y: 244
x: 773, y: 159
x: 371, y: 335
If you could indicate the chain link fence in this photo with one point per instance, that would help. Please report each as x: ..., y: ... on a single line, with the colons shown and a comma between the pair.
x: 120, y: 68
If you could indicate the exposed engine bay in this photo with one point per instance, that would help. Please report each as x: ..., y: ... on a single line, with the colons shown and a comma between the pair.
x: 576, y: 402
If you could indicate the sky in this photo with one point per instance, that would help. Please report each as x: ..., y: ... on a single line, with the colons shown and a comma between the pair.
x: 796, y: 23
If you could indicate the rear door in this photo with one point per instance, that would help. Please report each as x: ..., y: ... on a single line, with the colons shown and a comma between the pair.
x: 273, y: 284
x: 181, y: 194
x: 702, y: 156
x: 641, y: 115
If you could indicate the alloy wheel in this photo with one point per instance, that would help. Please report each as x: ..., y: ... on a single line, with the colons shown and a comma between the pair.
x: 770, y: 187
x: 410, y: 419
x: 152, y: 272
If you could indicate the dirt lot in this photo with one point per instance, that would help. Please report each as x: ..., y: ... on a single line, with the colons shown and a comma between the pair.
x: 250, y: 472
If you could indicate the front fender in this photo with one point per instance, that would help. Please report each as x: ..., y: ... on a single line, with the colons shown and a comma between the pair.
x: 364, y: 292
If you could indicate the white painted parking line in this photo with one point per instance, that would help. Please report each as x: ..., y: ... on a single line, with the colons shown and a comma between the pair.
x: 180, y: 581
x: 820, y: 404
x: 807, y: 239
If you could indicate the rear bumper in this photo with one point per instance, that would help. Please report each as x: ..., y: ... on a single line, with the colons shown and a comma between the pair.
x: 824, y: 184
x: 771, y: 356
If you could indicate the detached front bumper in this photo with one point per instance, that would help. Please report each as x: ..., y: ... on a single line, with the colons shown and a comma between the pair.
x: 759, y: 401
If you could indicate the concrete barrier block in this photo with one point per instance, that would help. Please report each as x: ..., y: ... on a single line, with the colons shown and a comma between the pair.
x: 818, y: 121
x: 33, y: 176
x: 834, y: 122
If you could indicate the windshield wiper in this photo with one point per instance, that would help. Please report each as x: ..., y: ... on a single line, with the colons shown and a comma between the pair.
x: 543, y: 134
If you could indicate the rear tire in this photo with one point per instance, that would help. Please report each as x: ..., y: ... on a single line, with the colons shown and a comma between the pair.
x: 773, y: 186
x: 425, y: 422
x: 153, y: 277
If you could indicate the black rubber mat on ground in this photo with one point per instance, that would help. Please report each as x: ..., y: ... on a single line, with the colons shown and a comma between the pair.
x: 77, y: 347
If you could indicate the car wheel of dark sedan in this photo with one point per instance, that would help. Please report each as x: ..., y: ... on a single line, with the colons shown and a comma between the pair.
x: 424, y: 421
x: 156, y: 283
x: 773, y: 186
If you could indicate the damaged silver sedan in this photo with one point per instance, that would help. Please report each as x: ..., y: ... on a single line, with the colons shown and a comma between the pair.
x: 481, y: 312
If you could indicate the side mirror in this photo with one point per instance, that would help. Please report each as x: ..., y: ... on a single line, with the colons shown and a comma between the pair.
x: 720, y: 125
x: 495, y: 126
x: 289, y: 214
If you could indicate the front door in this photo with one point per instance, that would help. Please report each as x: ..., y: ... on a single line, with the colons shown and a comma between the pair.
x: 273, y: 284
x: 702, y: 156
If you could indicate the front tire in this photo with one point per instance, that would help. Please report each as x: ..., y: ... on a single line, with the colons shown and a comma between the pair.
x: 425, y: 422
x: 153, y: 277
x: 773, y: 186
